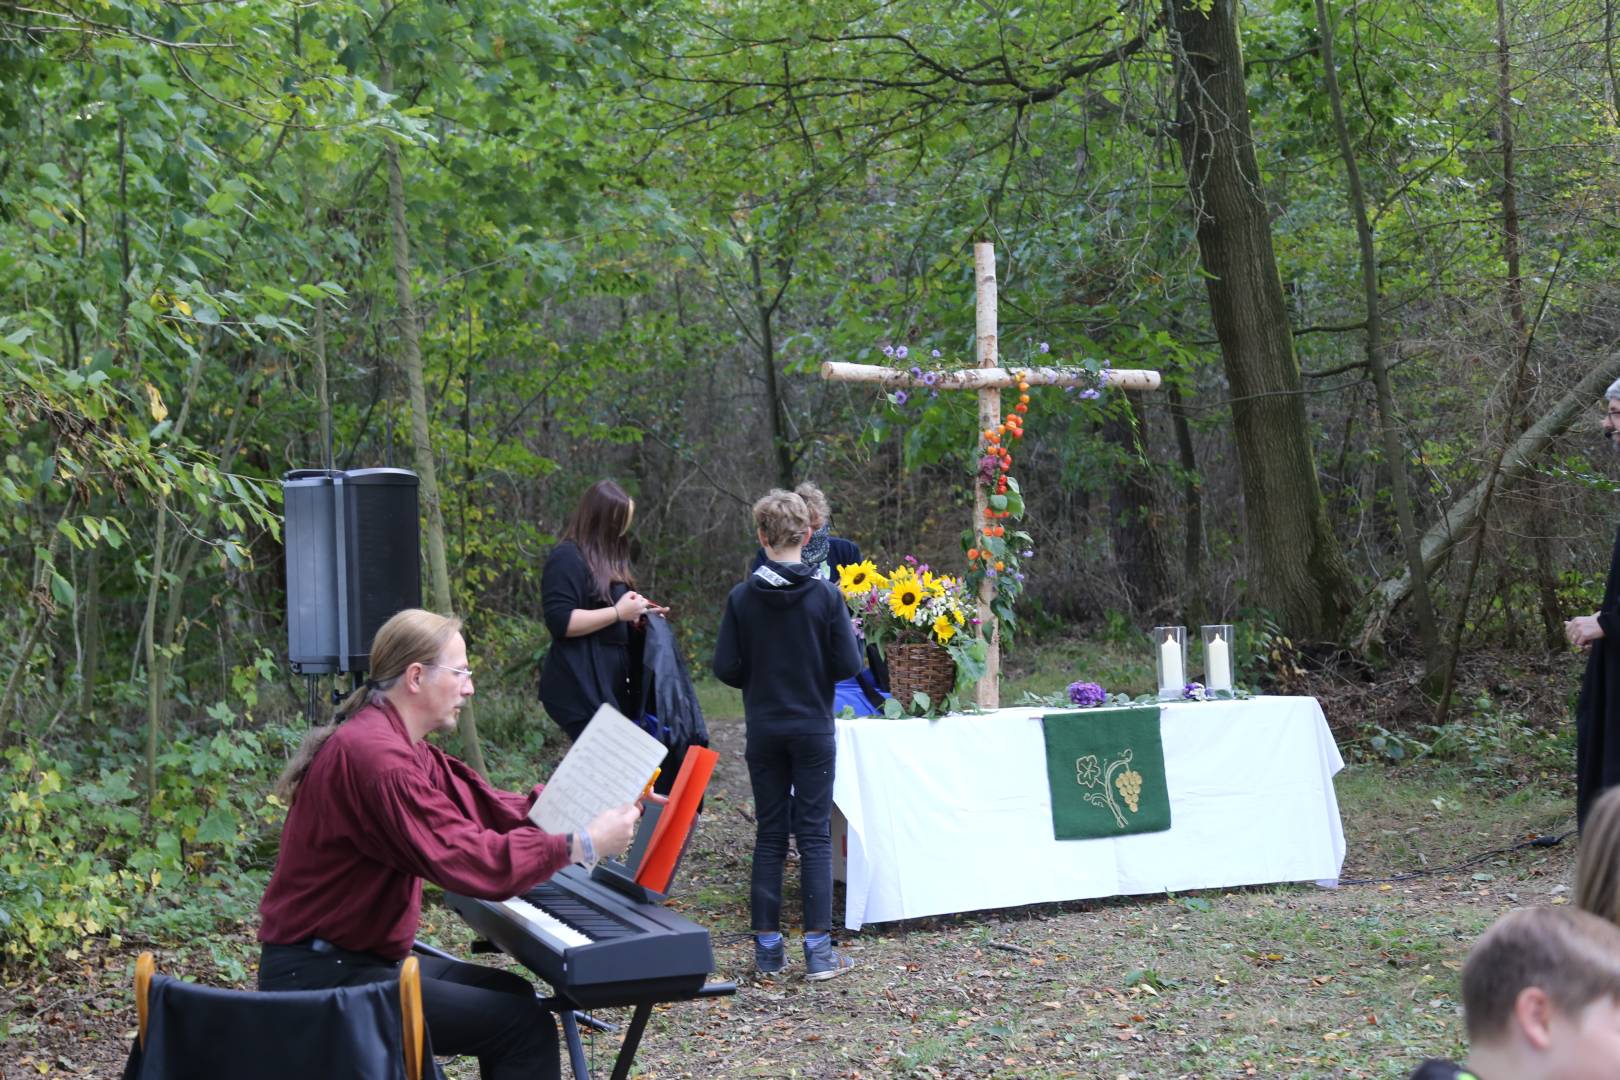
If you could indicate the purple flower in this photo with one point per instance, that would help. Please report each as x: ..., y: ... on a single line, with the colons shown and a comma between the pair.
x: 1089, y: 395
x: 901, y: 352
x: 1045, y: 348
x: 1068, y: 389
x: 1193, y: 691
x: 933, y: 393
x: 987, y: 467
x: 1086, y: 694
x: 930, y: 378
x: 1020, y: 577
x: 916, y: 372
x: 935, y: 354
x: 899, y: 397
x: 990, y: 572
x: 1027, y: 553
x: 888, y: 350
x: 912, y: 559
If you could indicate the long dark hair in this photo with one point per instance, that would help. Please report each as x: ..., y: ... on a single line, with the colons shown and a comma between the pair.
x: 597, y: 527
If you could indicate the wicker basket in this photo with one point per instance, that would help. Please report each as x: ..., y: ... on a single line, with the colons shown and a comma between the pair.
x: 922, y: 666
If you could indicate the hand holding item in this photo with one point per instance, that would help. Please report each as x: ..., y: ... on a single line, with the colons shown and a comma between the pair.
x: 631, y: 606
x: 1583, y: 630
x: 612, y: 830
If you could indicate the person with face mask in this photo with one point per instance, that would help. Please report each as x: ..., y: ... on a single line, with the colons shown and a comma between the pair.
x: 825, y: 553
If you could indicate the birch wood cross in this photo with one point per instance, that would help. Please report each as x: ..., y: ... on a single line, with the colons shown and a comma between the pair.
x: 987, y: 379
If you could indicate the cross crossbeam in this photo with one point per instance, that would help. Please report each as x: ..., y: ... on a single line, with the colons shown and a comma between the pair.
x: 985, y: 378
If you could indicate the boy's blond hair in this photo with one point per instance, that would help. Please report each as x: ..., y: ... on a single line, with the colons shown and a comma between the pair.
x: 782, y: 517
x: 1571, y: 955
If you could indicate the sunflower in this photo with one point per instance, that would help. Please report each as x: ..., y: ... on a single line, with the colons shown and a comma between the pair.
x: 859, y: 578
x: 904, y: 597
x: 943, y: 630
x: 934, y: 586
x: 956, y: 613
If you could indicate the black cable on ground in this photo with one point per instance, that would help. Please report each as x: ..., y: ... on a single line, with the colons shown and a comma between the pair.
x: 1546, y: 840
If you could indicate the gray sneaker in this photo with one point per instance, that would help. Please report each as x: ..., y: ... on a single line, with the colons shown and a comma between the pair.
x: 825, y: 962
x: 768, y: 960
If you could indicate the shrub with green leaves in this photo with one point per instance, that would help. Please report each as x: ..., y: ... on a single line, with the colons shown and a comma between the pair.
x: 78, y: 861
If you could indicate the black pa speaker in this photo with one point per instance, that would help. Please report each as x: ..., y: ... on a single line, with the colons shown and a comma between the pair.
x: 354, y: 558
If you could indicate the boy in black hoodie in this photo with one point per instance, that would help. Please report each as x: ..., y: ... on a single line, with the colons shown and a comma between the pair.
x: 786, y: 640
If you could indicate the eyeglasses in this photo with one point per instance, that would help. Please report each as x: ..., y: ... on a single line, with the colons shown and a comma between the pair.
x: 459, y: 672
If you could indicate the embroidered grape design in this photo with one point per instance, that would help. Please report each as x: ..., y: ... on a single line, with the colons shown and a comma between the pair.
x: 1129, y: 784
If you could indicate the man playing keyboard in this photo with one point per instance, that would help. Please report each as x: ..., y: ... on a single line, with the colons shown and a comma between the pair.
x: 375, y: 809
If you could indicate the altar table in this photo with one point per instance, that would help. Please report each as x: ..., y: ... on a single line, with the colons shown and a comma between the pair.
x: 954, y: 814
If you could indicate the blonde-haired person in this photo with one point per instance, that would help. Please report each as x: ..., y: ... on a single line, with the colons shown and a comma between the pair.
x: 375, y: 810
x: 1597, y: 871
x: 786, y: 640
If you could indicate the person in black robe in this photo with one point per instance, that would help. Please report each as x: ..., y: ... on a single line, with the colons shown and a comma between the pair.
x: 591, y: 608
x: 1597, y: 716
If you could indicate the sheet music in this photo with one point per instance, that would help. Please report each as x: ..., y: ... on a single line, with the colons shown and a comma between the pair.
x: 608, y: 766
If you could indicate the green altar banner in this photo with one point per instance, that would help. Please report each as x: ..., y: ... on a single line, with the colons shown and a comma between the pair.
x: 1106, y: 770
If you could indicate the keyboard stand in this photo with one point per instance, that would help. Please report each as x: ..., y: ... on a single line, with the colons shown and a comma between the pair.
x: 571, y: 1018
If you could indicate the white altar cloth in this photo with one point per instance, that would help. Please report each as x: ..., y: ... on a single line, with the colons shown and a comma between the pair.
x: 955, y: 814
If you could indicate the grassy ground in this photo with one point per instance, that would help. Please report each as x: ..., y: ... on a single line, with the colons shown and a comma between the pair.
x: 1277, y: 981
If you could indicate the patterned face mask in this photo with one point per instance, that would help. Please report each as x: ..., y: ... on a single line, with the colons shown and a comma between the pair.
x: 816, y: 550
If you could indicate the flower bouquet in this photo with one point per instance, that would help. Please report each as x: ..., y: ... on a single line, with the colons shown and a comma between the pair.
x: 922, y: 622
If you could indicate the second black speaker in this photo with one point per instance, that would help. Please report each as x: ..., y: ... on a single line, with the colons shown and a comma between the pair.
x: 353, y: 560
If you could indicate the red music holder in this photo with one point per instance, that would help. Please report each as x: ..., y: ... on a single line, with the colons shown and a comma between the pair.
x: 649, y: 867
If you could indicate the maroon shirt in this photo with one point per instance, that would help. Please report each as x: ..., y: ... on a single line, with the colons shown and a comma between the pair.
x: 375, y: 815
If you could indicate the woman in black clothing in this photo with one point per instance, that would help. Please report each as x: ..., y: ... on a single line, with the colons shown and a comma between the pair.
x: 587, y: 594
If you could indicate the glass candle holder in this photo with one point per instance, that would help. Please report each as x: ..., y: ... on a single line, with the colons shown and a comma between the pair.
x: 1170, y: 652
x: 1218, y: 660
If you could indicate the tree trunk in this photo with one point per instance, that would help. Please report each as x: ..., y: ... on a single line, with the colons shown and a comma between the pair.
x: 92, y: 632
x: 1300, y: 571
x: 422, y: 446
x: 1195, y: 590
x: 1389, y: 435
x: 1608, y: 54
x: 44, y: 562
x: 1136, y: 523
x: 775, y: 411
x: 1517, y: 343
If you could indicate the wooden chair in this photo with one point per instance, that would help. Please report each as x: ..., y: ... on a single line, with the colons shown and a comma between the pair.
x: 412, y: 1040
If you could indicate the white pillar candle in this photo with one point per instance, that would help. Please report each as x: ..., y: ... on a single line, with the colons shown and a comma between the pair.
x: 1218, y: 660
x: 1170, y: 673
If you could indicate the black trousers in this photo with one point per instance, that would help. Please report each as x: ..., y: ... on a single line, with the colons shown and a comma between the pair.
x: 470, y: 1010
x: 792, y: 777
